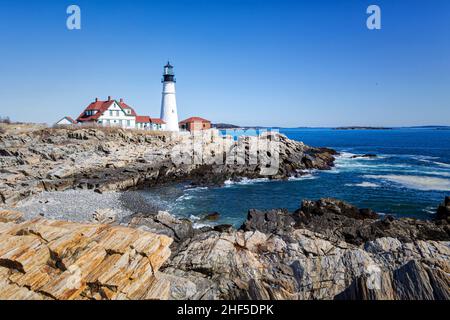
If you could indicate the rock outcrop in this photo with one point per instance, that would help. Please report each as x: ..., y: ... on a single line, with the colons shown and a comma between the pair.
x: 343, y: 221
x: 44, y: 259
x: 103, y: 159
x: 328, y: 249
x: 443, y: 212
x: 306, y: 265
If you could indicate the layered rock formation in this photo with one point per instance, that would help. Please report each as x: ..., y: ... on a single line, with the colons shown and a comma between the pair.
x: 37, y: 159
x: 44, y: 259
x: 327, y: 249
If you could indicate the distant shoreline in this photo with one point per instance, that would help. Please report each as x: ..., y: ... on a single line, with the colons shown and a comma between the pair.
x: 363, y: 128
x: 222, y: 126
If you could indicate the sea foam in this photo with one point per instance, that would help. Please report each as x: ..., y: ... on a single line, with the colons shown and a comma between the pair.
x: 364, y: 184
x: 423, y: 183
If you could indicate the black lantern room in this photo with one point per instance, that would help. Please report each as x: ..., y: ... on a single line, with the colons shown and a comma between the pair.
x: 168, y: 74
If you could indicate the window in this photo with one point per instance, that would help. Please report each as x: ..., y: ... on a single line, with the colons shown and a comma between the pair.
x: 110, y: 113
x: 128, y: 123
x: 117, y: 113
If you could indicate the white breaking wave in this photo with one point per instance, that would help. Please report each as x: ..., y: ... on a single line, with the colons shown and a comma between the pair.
x: 365, y: 184
x: 197, y: 223
x: 196, y: 189
x: 346, y: 155
x: 184, y: 197
x: 245, y: 181
x: 305, y: 177
x: 423, y: 183
x: 332, y: 171
x: 442, y: 164
x: 437, y: 173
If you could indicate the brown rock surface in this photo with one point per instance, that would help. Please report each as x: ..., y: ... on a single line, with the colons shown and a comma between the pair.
x: 45, y: 259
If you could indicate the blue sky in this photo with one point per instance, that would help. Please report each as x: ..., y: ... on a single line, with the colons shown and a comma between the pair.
x: 248, y: 62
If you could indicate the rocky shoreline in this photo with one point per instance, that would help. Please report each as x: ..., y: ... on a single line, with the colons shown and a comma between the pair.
x: 327, y: 249
x: 34, y: 159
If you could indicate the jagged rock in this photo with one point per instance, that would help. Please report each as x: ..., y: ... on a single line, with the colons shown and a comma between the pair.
x: 269, y: 221
x: 104, y: 216
x: 443, y: 212
x: 44, y: 259
x: 278, y: 255
x: 338, y: 219
x: 162, y: 223
x: 213, y: 216
x: 305, y: 265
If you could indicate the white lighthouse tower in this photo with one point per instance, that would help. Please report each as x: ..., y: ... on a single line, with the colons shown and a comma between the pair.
x: 169, y: 102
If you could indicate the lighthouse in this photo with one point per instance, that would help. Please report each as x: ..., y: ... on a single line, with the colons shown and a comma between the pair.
x: 169, y: 112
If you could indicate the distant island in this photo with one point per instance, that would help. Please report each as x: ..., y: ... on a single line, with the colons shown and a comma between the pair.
x: 362, y: 128
x: 224, y: 126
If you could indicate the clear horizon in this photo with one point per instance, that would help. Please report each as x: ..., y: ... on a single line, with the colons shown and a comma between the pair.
x: 249, y: 63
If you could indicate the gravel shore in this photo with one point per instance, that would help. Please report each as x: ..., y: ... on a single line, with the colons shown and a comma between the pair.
x: 73, y: 205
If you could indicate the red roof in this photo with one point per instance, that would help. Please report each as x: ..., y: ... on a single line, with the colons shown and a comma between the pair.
x: 101, y: 107
x: 158, y: 121
x: 142, y: 119
x: 147, y: 119
x: 125, y: 106
x: 193, y: 119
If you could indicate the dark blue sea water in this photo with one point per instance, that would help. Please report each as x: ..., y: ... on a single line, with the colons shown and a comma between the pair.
x: 410, y: 177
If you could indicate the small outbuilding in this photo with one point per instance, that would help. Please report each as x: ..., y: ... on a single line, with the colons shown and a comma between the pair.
x: 195, y: 124
x: 66, y: 121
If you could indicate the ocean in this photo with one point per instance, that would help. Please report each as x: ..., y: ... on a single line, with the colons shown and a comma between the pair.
x: 409, y: 178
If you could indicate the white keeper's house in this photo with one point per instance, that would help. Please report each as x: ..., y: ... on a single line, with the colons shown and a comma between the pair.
x: 113, y: 113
